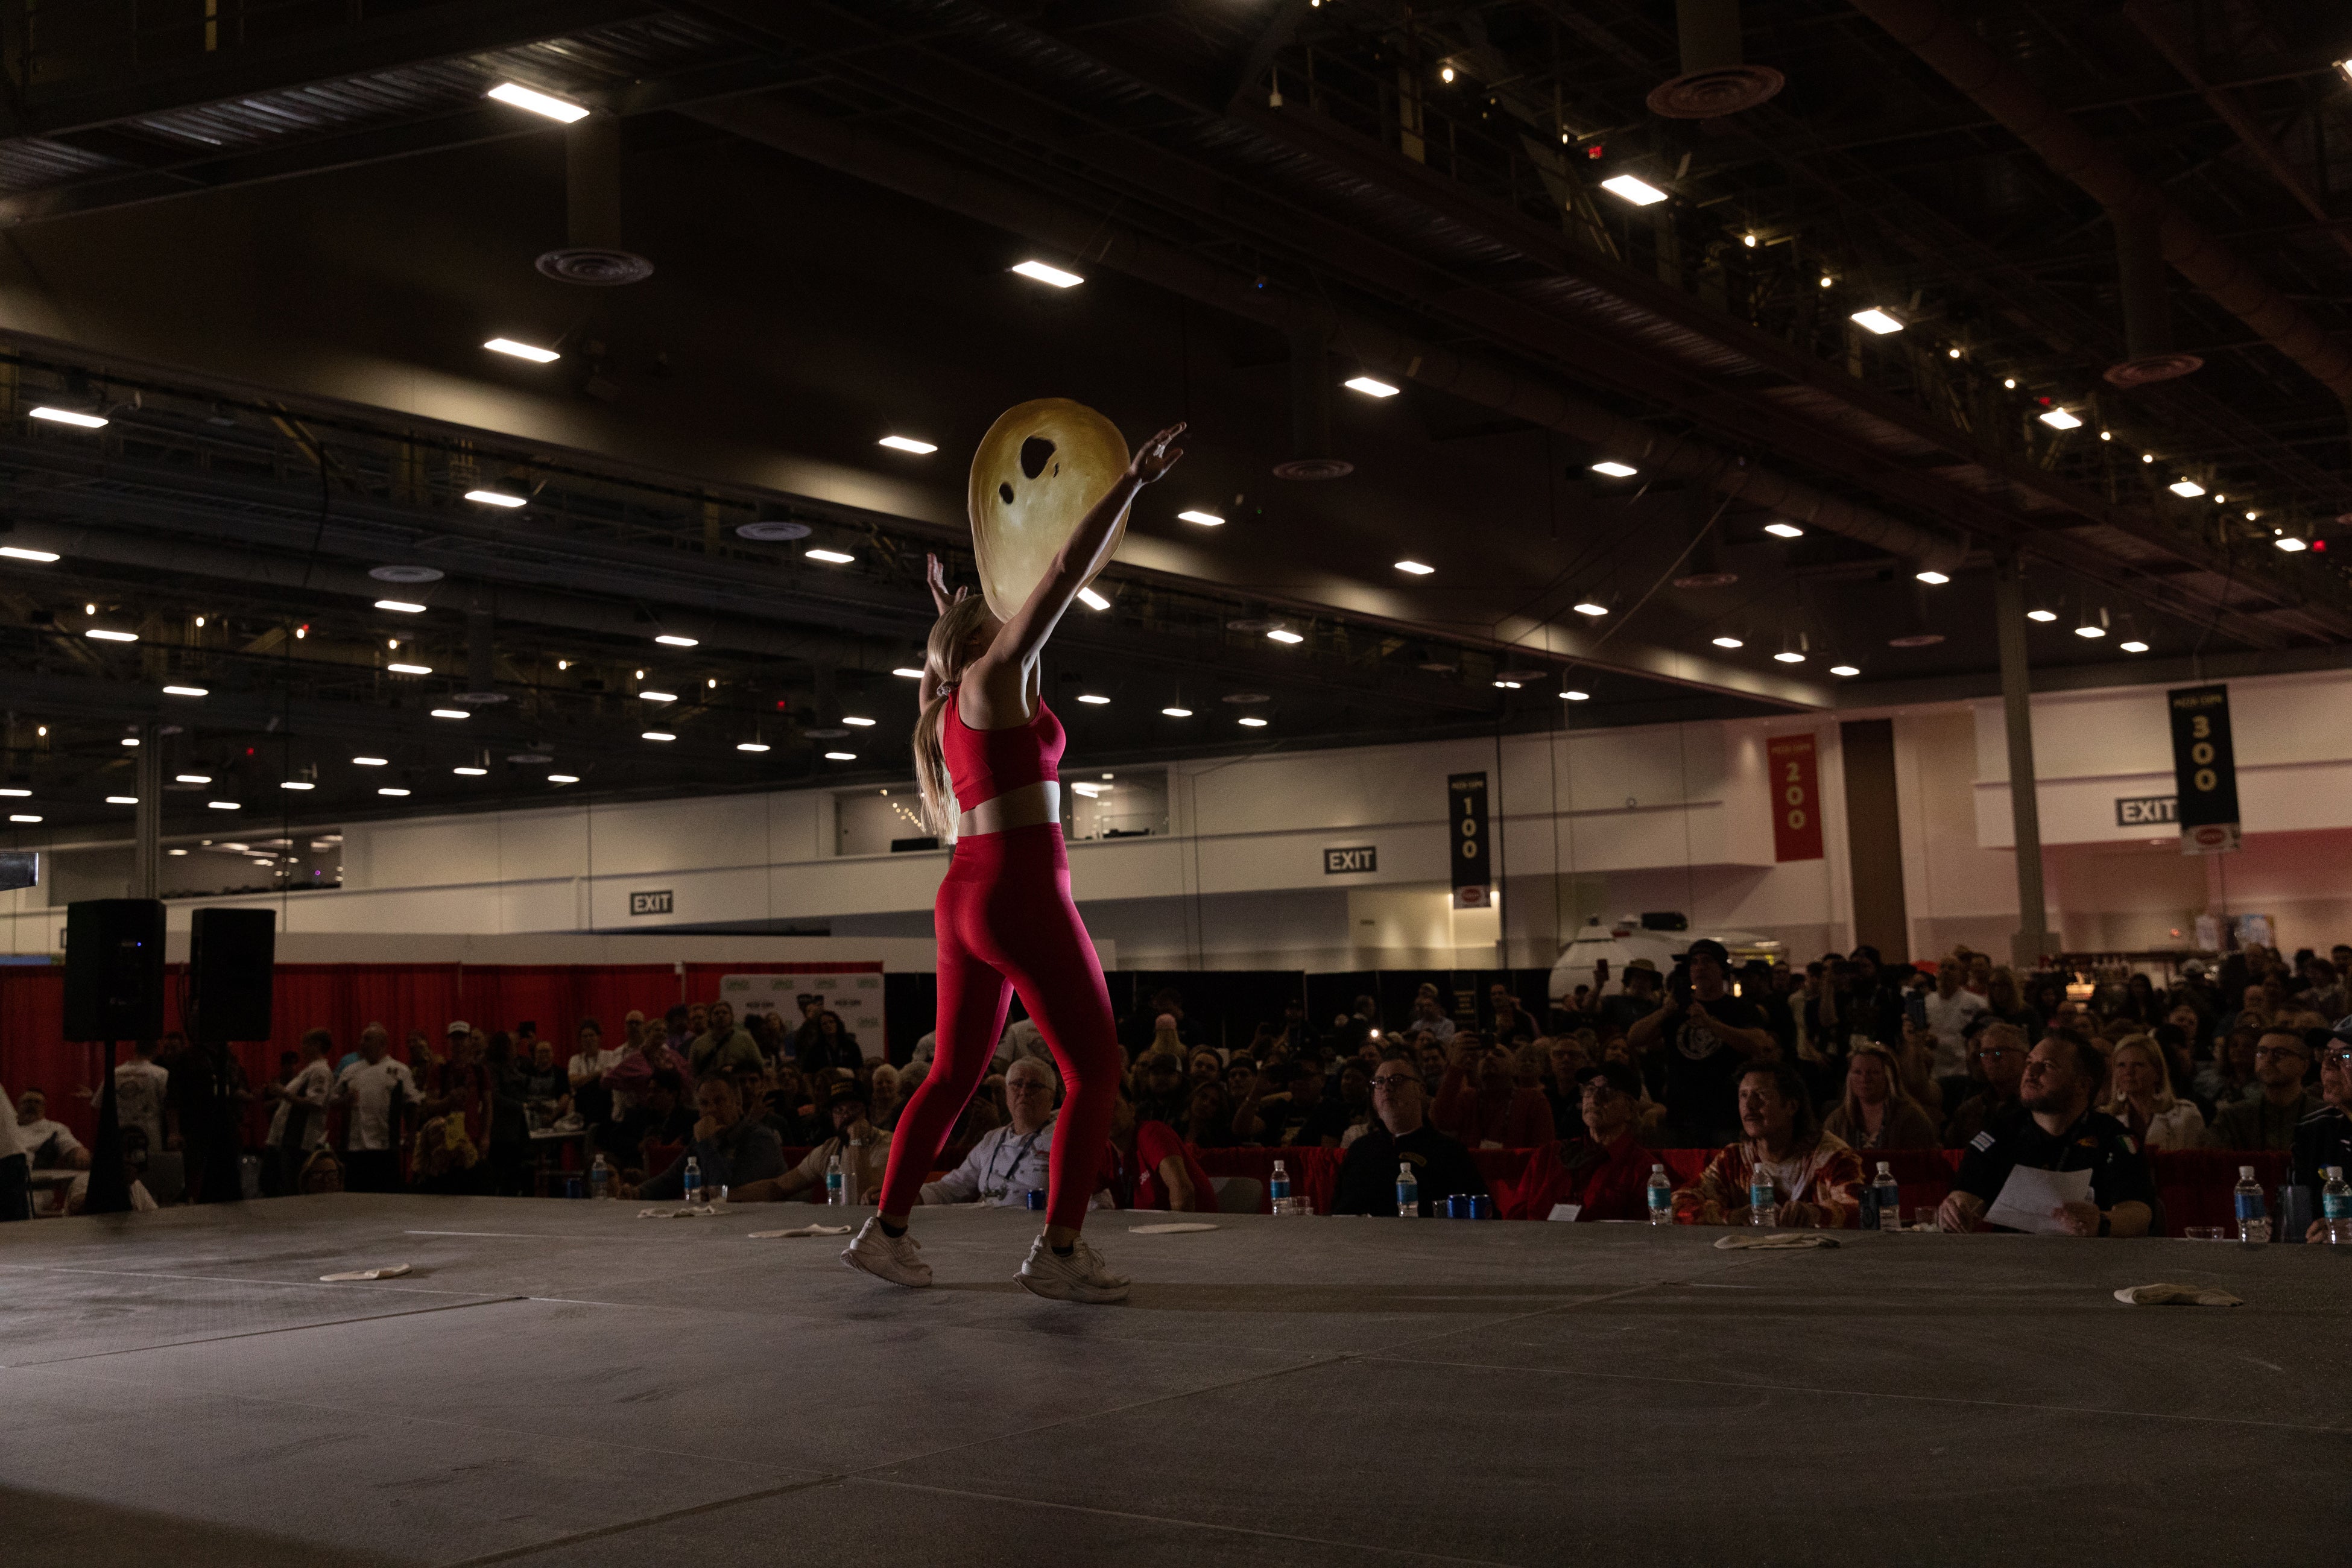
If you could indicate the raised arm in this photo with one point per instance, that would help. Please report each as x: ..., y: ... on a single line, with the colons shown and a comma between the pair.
x: 1082, y: 555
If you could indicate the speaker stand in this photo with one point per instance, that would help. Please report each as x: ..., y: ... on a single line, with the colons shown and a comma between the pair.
x: 109, y: 1189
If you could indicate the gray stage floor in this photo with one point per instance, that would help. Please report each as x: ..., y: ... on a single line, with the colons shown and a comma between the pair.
x: 563, y: 1384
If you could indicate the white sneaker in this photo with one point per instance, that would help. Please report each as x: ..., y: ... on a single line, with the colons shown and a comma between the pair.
x: 1081, y: 1277
x: 896, y: 1259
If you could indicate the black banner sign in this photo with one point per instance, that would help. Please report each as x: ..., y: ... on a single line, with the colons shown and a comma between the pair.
x: 1465, y: 804
x: 2204, y: 769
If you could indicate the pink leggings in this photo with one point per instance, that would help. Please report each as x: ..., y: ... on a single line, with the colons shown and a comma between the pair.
x: 1006, y: 924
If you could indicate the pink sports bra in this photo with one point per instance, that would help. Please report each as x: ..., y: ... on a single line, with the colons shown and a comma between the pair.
x: 985, y: 763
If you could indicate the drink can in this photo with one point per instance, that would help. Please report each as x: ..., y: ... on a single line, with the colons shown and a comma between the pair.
x: 1457, y: 1207
x: 572, y: 1188
x: 1036, y: 1200
x: 1482, y: 1207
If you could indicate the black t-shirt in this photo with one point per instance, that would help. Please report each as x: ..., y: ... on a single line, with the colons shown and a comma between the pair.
x: 2096, y: 1142
x: 1703, y: 1068
x: 1288, y: 1122
x: 1368, y: 1176
x: 2323, y: 1139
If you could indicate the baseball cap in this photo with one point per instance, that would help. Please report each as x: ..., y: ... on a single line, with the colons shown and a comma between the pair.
x: 1617, y: 1075
x: 1647, y: 966
x: 1707, y: 947
x: 459, y: 1027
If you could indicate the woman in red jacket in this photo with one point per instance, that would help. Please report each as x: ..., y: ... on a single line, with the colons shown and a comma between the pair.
x: 1606, y: 1171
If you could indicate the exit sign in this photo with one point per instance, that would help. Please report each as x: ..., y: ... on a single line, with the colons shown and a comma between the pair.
x: 1356, y: 857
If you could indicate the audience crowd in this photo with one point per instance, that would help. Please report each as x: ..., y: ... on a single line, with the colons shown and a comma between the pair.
x: 1794, y: 1077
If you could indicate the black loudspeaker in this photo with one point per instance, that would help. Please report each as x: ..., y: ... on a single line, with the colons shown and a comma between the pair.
x: 230, y: 955
x: 114, y: 969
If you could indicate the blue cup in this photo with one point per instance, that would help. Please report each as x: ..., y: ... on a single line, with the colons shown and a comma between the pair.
x: 1036, y: 1200
x: 1458, y: 1206
x: 572, y: 1188
x: 1482, y: 1207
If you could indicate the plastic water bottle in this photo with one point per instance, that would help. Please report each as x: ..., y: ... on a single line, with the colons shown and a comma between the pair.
x: 2253, y: 1220
x: 1408, y: 1192
x: 1277, y: 1188
x: 852, y: 1191
x: 835, y: 1191
x: 600, y: 1179
x: 1890, y: 1198
x: 1763, y: 1203
x: 693, y: 1181
x: 2336, y: 1208
x: 1662, y: 1196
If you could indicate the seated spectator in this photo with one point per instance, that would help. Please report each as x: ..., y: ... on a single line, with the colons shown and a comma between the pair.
x: 48, y: 1145
x: 2228, y: 1075
x: 658, y: 1112
x: 726, y: 1045
x: 2143, y: 1102
x: 134, y: 1167
x: 734, y: 1149
x: 1876, y: 1112
x: 2268, y: 1120
x: 1355, y: 1099
x: 2062, y: 1132
x: 1605, y: 1172
x: 1285, y: 1108
x: 1481, y: 1102
x: 2000, y: 1051
x: 1816, y: 1178
x: 1206, y: 1067
x: 1162, y: 1170
x: 1160, y: 1090
x: 1209, y: 1117
x: 864, y: 1148
x: 2325, y: 1138
x: 1402, y: 1135
x: 1016, y: 1159
x: 1566, y: 1057
x: 888, y: 1094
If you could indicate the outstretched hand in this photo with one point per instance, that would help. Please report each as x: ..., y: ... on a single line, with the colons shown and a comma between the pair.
x: 935, y: 574
x: 1157, y: 455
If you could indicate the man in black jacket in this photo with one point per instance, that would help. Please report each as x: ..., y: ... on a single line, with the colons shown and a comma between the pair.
x: 1402, y: 1135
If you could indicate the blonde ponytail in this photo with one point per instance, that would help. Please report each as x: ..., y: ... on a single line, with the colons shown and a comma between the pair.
x: 945, y: 661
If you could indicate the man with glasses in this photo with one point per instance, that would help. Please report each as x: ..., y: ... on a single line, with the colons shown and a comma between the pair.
x: 1012, y: 1161
x: 2325, y: 1137
x: 1402, y: 1134
x: 2061, y: 1086
x: 1603, y: 1173
x: 1999, y: 1055
x: 2269, y: 1120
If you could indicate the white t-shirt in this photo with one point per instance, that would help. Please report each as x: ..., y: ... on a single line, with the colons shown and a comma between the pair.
x: 312, y: 1086
x: 34, y: 1134
x: 10, y: 1143
x: 1948, y: 1020
x: 584, y: 1063
x: 139, y: 1088
x: 371, y: 1086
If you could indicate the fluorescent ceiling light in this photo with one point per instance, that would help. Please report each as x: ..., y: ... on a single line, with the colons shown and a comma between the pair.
x: 21, y: 818
x: 657, y: 735
x: 1615, y: 469
x: 1205, y: 519
x: 750, y: 745
x: 1784, y: 531
x: 1092, y: 600
x: 1932, y: 577
x: 2059, y: 419
x: 841, y: 756
x: 470, y: 772
x: 410, y: 668
x: 1790, y: 656
x: 494, y: 498
x: 402, y: 605
x: 1641, y: 192
x: 908, y: 672
x: 2290, y: 543
x: 129, y: 740
x: 1253, y: 724
x: 368, y: 761
x: 451, y: 714
x: 1875, y: 320
x: 397, y: 793
x: 1506, y: 686
x: 1283, y: 635
x: 1045, y: 274
x: 297, y: 783
x: 188, y: 691
x: 1844, y: 669
x: 2090, y: 631
x: 831, y: 557
x: 74, y: 417
x: 1572, y: 695
x: 671, y: 639
x: 1588, y: 607
x: 909, y: 443
x: 1177, y: 712
x: 176, y: 778
x: 176, y: 852
x: 122, y: 800
x: 2186, y: 487
x: 1728, y: 642
x: 104, y: 635
x: 523, y: 351
x: 564, y: 778
x: 2135, y: 646
x: 657, y: 695
x: 222, y: 804
x: 2043, y: 616
x: 1095, y: 699
x: 1415, y: 567
x: 1090, y: 791
x: 15, y: 553
x: 1369, y: 386
x: 861, y: 723
x: 521, y: 97
x: 25, y: 793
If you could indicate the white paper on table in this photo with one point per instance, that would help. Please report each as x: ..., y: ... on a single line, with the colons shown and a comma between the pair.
x: 1565, y: 1211
x: 2029, y: 1195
